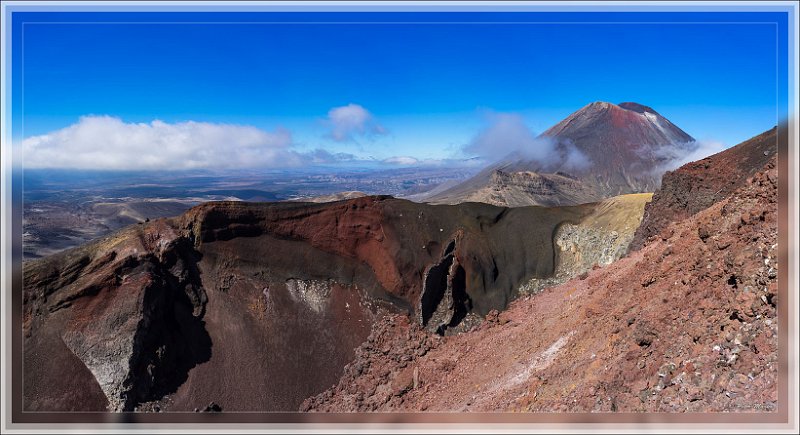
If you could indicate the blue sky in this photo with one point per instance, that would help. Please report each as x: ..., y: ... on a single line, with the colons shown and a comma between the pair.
x: 419, y: 89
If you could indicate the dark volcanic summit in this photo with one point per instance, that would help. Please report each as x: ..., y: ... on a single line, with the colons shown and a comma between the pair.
x: 636, y: 107
x: 619, y: 144
x: 619, y: 140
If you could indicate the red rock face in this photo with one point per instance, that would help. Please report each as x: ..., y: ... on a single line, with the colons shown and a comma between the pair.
x: 688, y: 323
x: 352, y: 229
x: 397, y: 240
x: 697, y: 185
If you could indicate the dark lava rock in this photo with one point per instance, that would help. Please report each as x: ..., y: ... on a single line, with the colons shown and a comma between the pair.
x: 212, y: 407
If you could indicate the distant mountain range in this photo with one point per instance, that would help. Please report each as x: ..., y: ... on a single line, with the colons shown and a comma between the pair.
x: 600, y: 151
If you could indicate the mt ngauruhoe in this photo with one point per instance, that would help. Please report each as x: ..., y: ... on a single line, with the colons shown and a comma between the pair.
x: 619, y: 149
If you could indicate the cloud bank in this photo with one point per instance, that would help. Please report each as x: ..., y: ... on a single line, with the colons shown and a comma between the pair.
x: 401, y: 160
x: 105, y: 142
x: 348, y: 122
x: 408, y: 161
x: 506, y: 135
x: 321, y: 156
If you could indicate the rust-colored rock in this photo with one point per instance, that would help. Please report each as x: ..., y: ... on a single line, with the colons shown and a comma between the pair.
x: 697, y: 185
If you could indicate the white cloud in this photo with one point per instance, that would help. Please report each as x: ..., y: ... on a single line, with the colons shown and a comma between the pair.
x: 504, y: 134
x: 573, y: 158
x: 319, y: 155
x: 347, y: 122
x: 105, y: 142
x: 676, y: 155
x: 401, y: 160
x: 507, y: 134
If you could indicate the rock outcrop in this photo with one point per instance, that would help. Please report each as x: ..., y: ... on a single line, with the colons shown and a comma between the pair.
x: 127, y: 308
x: 598, y: 240
x: 697, y: 185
